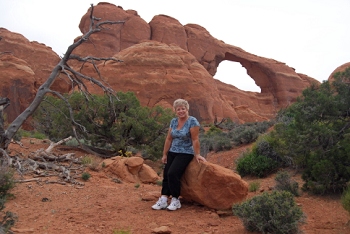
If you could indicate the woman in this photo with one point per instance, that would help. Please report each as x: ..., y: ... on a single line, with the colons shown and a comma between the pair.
x: 181, y: 145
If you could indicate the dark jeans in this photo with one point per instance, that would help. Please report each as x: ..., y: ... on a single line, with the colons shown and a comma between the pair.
x: 173, y: 171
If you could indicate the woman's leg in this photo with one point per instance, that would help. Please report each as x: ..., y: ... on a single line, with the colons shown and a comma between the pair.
x: 165, y: 185
x: 175, y: 171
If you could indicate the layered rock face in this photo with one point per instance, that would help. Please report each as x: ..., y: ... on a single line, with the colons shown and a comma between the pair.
x: 162, y: 61
x: 154, y: 72
x: 24, y: 66
x: 159, y: 73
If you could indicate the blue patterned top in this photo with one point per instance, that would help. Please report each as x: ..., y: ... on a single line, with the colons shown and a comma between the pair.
x: 182, y: 142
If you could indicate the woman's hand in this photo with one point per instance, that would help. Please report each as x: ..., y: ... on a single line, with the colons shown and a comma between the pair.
x: 164, y: 159
x: 200, y: 158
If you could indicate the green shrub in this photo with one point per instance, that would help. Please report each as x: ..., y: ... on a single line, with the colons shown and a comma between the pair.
x: 213, y: 131
x: 23, y: 133
x: 86, y: 160
x: 248, y: 132
x: 221, y: 143
x: 345, y: 199
x: 270, y: 213
x: 313, y: 135
x: 263, y: 147
x: 85, y: 176
x: 233, y: 134
x: 38, y: 135
x: 121, y: 232
x: 256, y: 165
x: 9, y: 219
x: 254, y: 186
x: 6, y: 184
x: 285, y: 183
x: 214, y: 141
x: 72, y: 142
x: 248, y: 135
x: 206, y: 143
x: 105, y: 124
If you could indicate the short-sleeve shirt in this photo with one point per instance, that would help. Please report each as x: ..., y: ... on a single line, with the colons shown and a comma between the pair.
x: 181, y: 139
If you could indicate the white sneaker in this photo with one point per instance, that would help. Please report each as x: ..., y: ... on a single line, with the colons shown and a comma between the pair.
x: 160, y: 204
x: 175, y: 204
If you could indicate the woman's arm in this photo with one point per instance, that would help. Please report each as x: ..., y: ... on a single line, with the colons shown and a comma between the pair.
x: 196, y: 145
x: 167, y: 145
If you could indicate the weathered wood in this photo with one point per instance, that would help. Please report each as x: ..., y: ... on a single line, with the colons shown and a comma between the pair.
x: 53, y: 145
x: 27, y: 180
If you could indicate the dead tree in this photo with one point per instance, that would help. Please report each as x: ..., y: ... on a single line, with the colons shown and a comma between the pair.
x: 76, y: 78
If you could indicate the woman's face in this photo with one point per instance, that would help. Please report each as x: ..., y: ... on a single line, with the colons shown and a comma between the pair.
x: 181, y: 111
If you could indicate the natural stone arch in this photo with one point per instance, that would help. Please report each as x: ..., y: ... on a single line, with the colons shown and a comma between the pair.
x: 235, y: 74
x: 256, y: 71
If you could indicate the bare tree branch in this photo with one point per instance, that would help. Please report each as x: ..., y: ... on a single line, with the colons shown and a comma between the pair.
x: 53, y: 145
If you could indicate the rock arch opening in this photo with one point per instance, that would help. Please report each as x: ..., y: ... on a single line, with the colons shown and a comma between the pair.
x: 234, y: 74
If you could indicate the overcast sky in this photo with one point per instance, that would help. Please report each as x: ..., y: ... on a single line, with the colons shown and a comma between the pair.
x: 311, y: 36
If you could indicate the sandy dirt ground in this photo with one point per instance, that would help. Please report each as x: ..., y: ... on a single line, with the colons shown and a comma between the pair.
x: 103, y: 206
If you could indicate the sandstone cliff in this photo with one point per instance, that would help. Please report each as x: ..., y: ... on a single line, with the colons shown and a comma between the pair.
x: 341, y: 68
x: 162, y: 60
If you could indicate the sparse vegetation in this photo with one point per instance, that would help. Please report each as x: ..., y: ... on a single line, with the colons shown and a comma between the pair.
x: 284, y: 182
x: 231, y: 134
x: 254, y: 186
x: 251, y: 163
x: 121, y: 232
x: 274, y: 212
x: 6, y: 184
x: 85, y: 176
x: 345, y: 199
x: 33, y: 134
x: 86, y: 160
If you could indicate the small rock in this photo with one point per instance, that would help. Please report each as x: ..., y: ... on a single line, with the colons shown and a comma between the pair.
x: 224, y: 213
x: 22, y: 230
x: 162, y: 230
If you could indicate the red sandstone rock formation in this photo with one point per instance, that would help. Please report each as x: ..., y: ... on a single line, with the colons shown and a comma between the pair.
x: 279, y: 83
x: 158, y: 72
x: 17, y: 83
x: 24, y: 67
x: 164, y: 60
x: 212, y: 185
x: 116, y: 37
x: 341, y: 68
x: 130, y: 170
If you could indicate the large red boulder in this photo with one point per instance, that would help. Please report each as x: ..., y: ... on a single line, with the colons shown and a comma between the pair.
x: 212, y: 185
